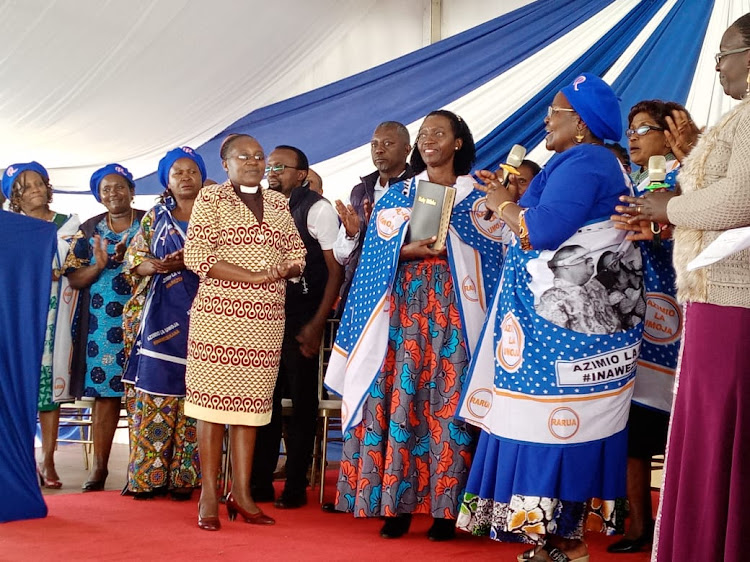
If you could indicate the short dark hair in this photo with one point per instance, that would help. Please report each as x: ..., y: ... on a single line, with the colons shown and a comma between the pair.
x: 401, y: 129
x: 302, y: 163
x: 658, y: 110
x: 227, y: 143
x: 533, y: 166
x: 743, y: 26
x: 620, y: 151
x: 465, y: 156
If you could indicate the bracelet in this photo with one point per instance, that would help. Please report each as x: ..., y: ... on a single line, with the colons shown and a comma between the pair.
x: 501, y: 208
x: 523, y: 233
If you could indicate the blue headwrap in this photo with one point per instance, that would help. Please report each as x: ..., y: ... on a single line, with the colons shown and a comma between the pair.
x: 15, y: 170
x: 597, y: 104
x: 166, y: 163
x: 101, y: 173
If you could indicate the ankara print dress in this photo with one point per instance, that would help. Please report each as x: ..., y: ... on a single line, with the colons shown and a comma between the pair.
x: 105, y: 356
x: 236, y: 329
x: 409, y: 454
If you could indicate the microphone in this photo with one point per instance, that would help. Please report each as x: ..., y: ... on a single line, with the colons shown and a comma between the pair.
x: 657, y: 169
x: 657, y: 174
x: 515, y: 157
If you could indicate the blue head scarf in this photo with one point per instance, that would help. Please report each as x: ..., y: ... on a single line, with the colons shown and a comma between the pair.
x: 166, y: 163
x: 597, y: 104
x: 101, y: 173
x: 14, y: 170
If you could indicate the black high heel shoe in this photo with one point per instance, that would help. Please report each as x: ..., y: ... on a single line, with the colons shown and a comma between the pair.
x: 396, y: 527
x: 258, y: 518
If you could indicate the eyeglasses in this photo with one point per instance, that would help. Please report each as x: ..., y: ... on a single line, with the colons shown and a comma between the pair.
x: 642, y: 130
x: 245, y: 157
x: 551, y: 110
x: 722, y: 54
x: 279, y: 168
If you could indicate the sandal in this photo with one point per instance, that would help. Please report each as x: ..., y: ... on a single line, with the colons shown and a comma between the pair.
x: 555, y: 555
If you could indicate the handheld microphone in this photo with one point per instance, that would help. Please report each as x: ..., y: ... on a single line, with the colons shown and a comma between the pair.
x: 657, y: 171
x: 515, y: 157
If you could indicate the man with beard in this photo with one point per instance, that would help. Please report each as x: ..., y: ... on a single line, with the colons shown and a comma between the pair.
x: 308, y: 304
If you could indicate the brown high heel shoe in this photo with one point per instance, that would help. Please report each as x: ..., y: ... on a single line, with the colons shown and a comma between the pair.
x: 258, y: 518
x: 208, y: 523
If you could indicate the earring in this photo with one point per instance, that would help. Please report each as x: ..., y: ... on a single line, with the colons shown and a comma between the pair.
x: 747, y: 89
x: 579, y: 137
x: 456, y: 148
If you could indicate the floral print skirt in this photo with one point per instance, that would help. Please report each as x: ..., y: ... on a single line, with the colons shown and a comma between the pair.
x: 409, y: 454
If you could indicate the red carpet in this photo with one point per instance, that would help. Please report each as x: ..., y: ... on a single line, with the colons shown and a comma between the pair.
x: 107, y: 526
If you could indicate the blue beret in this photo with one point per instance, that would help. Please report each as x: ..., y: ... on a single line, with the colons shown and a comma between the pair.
x: 15, y: 170
x: 597, y: 104
x: 101, y: 173
x: 166, y: 163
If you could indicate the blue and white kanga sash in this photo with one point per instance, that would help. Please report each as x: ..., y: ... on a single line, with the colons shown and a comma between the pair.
x: 662, y: 328
x: 475, y: 258
x: 556, y: 361
x: 158, y: 360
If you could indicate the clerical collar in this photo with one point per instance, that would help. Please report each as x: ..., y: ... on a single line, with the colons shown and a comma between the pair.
x: 246, y: 189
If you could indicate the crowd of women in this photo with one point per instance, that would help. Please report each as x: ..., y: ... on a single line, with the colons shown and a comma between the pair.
x: 514, y: 390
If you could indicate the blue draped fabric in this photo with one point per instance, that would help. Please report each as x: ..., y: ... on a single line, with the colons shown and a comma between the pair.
x: 341, y: 116
x: 651, y: 75
x: 159, y: 356
x: 526, y: 126
x: 25, y: 285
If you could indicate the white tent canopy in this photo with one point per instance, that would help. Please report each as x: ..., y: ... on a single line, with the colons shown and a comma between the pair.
x: 90, y: 82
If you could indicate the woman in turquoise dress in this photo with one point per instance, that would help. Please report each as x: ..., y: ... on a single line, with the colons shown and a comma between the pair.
x: 94, y: 267
x: 28, y: 189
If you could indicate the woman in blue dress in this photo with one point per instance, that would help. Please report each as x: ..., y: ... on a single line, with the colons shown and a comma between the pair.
x: 552, y: 375
x: 94, y: 267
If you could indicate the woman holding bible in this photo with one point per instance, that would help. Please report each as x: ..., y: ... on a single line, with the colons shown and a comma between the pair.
x: 402, y: 350
x: 552, y: 375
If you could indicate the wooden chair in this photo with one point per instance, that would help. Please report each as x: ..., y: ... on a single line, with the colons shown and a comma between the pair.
x: 78, y: 414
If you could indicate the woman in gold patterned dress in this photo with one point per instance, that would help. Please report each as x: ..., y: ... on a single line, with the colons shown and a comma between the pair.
x: 242, y: 244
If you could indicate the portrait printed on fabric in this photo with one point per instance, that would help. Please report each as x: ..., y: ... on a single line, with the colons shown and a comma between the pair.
x: 586, y: 288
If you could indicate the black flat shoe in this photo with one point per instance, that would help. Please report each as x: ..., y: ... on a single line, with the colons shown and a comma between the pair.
x: 442, y: 530
x: 290, y: 501
x: 625, y: 546
x: 330, y: 508
x: 96, y: 485
x: 93, y: 486
x: 396, y: 527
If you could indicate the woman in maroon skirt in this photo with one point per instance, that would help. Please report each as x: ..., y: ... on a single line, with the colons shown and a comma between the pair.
x: 707, y: 474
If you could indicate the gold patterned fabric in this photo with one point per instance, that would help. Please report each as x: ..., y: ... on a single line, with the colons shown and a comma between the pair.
x: 236, y: 329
